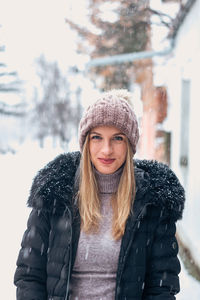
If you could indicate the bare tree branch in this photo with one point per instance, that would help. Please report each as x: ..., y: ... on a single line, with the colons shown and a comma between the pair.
x: 8, y: 110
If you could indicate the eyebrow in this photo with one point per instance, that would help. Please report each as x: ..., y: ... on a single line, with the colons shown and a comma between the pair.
x: 93, y: 132
x: 118, y: 133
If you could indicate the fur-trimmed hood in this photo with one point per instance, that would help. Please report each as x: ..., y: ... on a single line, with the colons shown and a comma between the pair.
x: 53, y: 186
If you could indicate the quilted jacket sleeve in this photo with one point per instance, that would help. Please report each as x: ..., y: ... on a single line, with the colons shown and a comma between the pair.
x: 30, y: 275
x: 162, y: 282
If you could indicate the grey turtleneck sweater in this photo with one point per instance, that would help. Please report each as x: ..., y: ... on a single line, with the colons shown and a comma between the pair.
x: 94, y: 273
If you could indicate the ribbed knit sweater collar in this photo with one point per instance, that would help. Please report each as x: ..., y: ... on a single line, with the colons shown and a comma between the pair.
x: 108, y: 183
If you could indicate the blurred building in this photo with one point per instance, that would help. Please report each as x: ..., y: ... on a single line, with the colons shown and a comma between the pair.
x: 180, y: 76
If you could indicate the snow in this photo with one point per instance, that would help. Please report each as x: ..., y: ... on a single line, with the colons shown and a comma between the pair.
x: 16, y: 174
x: 190, y: 288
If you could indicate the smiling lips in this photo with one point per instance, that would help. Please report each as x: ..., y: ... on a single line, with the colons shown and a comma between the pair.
x: 106, y: 161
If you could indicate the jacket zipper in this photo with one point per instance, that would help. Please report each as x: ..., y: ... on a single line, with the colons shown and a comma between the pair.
x: 123, y: 259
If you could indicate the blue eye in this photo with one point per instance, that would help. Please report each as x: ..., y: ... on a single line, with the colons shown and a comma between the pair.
x: 95, y: 137
x: 118, y: 138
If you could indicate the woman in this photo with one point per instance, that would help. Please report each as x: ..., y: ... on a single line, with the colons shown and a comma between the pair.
x: 102, y: 226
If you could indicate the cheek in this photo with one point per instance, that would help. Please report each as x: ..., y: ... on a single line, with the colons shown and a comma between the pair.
x: 123, y: 153
x: 92, y: 150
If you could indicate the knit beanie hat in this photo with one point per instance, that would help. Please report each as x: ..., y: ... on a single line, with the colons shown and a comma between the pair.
x: 113, y: 109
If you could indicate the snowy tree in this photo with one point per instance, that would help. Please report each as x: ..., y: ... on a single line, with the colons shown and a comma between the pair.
x: 54, y: 115
x: 12, y: 105
x: 9, y: 84
x: 129, y: 31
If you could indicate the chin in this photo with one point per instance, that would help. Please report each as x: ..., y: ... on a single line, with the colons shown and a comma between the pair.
x: 106, y: 170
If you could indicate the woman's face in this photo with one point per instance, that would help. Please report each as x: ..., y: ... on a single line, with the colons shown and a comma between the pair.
x: 108, y: 148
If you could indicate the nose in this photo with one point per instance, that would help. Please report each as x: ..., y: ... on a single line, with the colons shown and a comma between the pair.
x: 107, y: 148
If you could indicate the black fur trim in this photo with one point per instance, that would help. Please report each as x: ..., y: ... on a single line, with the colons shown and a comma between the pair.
x: 164, y: 189
x: 52, y: 188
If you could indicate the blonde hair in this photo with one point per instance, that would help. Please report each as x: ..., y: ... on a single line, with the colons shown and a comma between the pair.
x: 89, y: 202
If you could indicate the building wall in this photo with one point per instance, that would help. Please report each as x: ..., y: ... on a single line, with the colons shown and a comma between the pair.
x: 182, y: 80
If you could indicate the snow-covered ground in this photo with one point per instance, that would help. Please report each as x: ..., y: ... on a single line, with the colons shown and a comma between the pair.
x: 16, y: 174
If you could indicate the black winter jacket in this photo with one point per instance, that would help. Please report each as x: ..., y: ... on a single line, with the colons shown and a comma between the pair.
x: 148, y: 266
